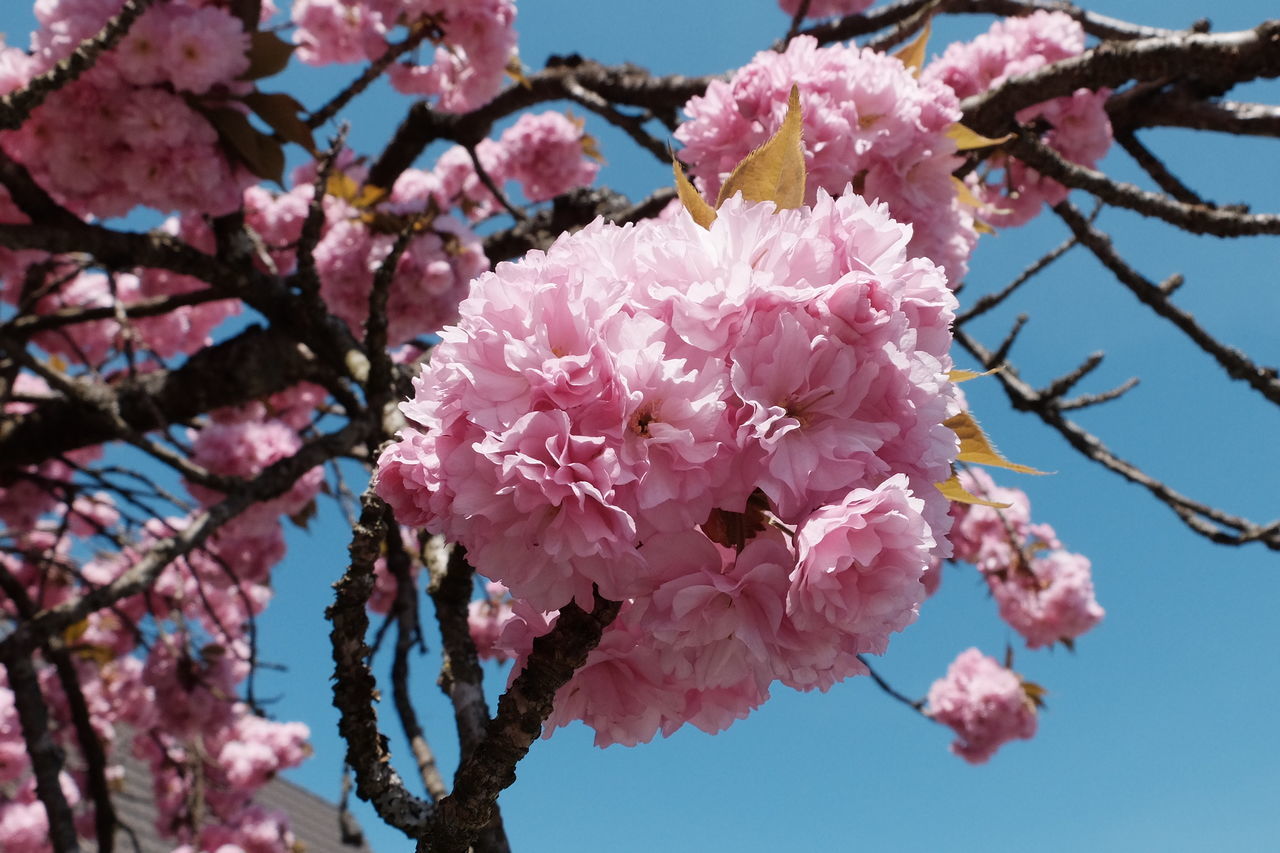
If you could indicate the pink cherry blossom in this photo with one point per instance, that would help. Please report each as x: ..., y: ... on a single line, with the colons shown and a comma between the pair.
x: 984, y: 703
x: 869, y: 123
x: 1078, y: 127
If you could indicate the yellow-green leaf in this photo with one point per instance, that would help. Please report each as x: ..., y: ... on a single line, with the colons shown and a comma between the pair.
x: 1035, y: 693
x: 774, y: 171
x: 344, y: 187
x: 967, y: 140
x: 268, y: 55
x: 912, y: 55
x: 975, y: 447
x: 959, y: 376
x: 515, y: 70
x: 702, y: 213
x: 952, y: 490
x: 280, y: 112
x: 591, y: 147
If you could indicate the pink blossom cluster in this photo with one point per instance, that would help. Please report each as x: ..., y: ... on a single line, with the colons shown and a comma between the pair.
x: 431, y: 276
x: 125, y: 132
x: 35, y: 490
x: 208, y: 753
x: 1077, y: 124
x: 826, y: 8
x: 869, y: 124
x: 734, y: 430
x: 474, y: 41
x: 547, y: 153
x: 986, y: 704
x: 1044, y: 593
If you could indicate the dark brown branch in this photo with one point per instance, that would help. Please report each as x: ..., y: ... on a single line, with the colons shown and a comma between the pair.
x: 916, y: 705
x: 1210, y: 522
x: 1238, y: 366
x: 802, y: 12
x: 620, y: 85
x: 29, y: 324
x: 1159, y: 172
x: 274, y: 480
x: 631, y: 125
x: 45, y: 755
x: 393, y: 52
x: 1086, y: 400
x: 1179, y: 108
x: 355, y: 690
x: 991, y: 300
x: 1220, y: 57
x: 570, y: 212
x: 408, y: 630
x: 1055, y: 389
x: 521, y: 712
x: 251, y: 365
x: 17, y: 106
x: 889, y: 14
x: 1194, y: 218
x: 461, y: 678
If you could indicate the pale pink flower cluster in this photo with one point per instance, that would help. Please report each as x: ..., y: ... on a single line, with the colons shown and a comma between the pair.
x: 243, y: 448
x: 431, y: 275
x: 474, y: 41
x: 124, y: 133
x: 985, y: 703
x: 1044, y: 593
x: 35, y: 490
x: 869, y: 123
x: 826, y: 8
x: 1078, y: 127
x: 546, y: 153
x: 645, y: 409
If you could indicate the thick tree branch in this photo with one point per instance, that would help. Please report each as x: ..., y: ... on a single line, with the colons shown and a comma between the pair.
x: 355, y: 690
x: 619, y: 85
x: 251, y: 365
x: 1193, y: 218
x: 521, y: 712
x: 1222, y: 58
x: 1212, y: 523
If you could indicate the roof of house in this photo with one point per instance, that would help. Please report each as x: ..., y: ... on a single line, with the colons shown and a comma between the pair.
x: 316, y: 823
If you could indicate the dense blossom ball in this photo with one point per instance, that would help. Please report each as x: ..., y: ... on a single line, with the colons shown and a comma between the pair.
x: 985, y: 703
x: 869, y: 123
x: 637, y: 408
x: 1078, y: 127
x: 475, y: 41
x: 1051, y: 601
x: 1044, y: 592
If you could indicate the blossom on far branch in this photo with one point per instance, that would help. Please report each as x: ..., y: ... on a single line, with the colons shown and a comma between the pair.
x: 986, y: 704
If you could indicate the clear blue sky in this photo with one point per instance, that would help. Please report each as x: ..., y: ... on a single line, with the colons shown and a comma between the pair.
x: 1160, y: 733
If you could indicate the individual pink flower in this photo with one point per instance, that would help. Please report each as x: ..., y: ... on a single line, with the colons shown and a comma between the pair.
x: 204, y: 47
x: 1077, y: 124
x: 985, y: 703
x: 1051, y: 601
x: 546, y: 153
x: 869, y: 123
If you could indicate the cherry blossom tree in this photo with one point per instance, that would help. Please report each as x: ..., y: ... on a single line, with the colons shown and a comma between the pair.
x: 662, y: 455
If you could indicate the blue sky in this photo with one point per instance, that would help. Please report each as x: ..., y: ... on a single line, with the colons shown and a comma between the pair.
x: 1159, y: 733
